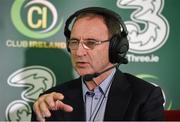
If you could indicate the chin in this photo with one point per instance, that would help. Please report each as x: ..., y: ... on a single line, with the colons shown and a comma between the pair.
x: 81, y: 73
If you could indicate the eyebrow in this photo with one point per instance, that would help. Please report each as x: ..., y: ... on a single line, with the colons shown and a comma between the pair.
x: 74, y: 38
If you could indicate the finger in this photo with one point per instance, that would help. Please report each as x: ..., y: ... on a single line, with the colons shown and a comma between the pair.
x: 52, y: 98
x: 42, y: 120
x: 44, y: 109
x: 62, y: 106
x: 38, y: 112
x: 57, y: 96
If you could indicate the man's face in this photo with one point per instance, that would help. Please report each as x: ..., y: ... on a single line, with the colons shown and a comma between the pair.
x: 88, y: 61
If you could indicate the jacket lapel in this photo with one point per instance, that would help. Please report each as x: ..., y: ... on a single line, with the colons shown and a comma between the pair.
x: 75, y: 98
x: 118, y: 98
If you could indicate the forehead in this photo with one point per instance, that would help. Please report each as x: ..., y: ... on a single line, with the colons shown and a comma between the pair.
x: 90, y: 25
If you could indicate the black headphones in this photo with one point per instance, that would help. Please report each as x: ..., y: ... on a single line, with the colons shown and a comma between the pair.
x: 119, y: 44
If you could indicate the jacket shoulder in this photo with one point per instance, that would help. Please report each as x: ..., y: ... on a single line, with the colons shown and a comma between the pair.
x: 138, y: 82
x: 141, y: 88
x: 64, y: 86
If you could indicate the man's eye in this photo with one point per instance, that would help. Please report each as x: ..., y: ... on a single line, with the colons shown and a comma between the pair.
x: 90, y: 43
x: 73, y: 42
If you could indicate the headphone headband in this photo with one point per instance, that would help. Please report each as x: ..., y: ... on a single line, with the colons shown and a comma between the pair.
x: 97, y: 10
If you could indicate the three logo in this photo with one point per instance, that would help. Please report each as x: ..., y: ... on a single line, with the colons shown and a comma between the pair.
x: 34, y: 80
x: 156, y: 29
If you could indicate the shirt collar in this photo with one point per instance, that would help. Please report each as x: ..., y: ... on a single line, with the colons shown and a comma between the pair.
x: 103, y: 86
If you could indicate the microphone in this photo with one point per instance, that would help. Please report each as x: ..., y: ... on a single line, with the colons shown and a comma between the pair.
x: 89, y: 77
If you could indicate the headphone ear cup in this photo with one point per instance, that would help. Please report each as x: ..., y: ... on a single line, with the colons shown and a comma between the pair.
x: 67, y: 45
x: 67, y: 34
x: 118, y: 48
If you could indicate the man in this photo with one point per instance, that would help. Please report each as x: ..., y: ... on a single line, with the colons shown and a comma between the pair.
x: 97, y: 43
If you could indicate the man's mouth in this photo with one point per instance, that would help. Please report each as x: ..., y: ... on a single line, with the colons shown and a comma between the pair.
x: 82, y: 64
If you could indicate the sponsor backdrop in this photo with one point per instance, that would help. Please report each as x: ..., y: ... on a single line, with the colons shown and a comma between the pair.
x: 33, y: 54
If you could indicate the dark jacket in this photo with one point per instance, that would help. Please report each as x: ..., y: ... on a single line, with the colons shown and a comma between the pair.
x: 130, y: 98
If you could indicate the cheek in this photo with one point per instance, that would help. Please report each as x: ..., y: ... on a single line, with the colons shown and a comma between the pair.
x: 102, y: 56
x: 105, y: 56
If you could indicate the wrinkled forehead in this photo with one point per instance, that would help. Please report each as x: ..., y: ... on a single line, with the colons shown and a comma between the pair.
x: 90, y: 16
x: 90, y: 28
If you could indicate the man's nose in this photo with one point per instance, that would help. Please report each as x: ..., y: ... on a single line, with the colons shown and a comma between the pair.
x: 81, y: 50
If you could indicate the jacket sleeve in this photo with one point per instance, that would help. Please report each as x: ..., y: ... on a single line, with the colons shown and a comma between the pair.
x: 33, y: 115
x: 153, y: 108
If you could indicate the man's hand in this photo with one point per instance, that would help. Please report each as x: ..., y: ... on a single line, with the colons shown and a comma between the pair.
x: 47, y: 102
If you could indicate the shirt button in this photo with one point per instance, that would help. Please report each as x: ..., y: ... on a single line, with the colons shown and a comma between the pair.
x: 96, y: 98
x: 90, y: 94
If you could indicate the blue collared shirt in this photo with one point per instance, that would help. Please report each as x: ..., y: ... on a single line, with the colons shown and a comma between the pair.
x: 95, y: 101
